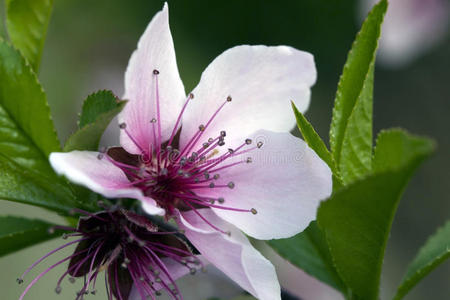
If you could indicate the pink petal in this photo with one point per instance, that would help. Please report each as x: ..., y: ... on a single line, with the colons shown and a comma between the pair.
x: 99, y: 175
x: 285, y: 183
x: 261, y: 81
x: 233, y: 255
x: 155, y: 51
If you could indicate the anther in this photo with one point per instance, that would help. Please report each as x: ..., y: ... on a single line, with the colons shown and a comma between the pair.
x: 229, y: 98
x: 201, y: 127
x: 221, y: 142
x: 249, y: 160
x: 230, y: 150
x: 212, y: 185
x: 192, y: 271
x: 19, y: 280
x: 72, y: 279
x: 231, y: 185
x: 100, y: 156
x: 155, y: 72
x: 191, y: 95
x: 205, y: 145
x: 158, y: 293
x: 122, y: 125
x: 221, y: 200
x: 223, y: 133
x: 64, y: 236
x: 259, y: 144
x: 153, y: 120
x: 248, y: 141
x: 93, y: 292
x: 58, y: 290
x: 254, y: 211
x: 210, y: 140
x: 216, y: 176
x: 206, y: 175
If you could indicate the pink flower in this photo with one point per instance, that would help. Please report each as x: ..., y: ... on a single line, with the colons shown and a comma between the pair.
x: 219, y: 160
x: 411, y: 28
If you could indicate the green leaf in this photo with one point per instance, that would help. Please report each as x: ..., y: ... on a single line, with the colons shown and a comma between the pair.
x: 27, y: 22
x: 351, y: 125
x: 313, y: 139
x: 357, y: 219
x: 25, y: 115
x: 26, y: 186
x: 393, y: 149
x: 435, y: 251
x: 309, y: 251
x: 98, y: 111
x: 316, y: 143
x: 17, y: 233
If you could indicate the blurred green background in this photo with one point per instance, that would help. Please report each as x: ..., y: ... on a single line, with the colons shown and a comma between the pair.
x: 89, y: 43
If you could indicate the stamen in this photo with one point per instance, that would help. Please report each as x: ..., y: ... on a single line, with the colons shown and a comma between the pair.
x: 123, y: 126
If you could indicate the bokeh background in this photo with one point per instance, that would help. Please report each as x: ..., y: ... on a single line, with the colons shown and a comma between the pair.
x: 89, y: 43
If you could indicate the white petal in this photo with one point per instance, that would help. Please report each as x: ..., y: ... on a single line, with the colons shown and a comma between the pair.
x: 99, y: 175
x: 233, y: 255
x: 261, y: 81
x: 285, y: 183
x: 155, y: 51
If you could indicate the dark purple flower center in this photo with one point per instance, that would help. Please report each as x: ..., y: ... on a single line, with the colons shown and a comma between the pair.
x: 131, y: 250
x: 179, y: 178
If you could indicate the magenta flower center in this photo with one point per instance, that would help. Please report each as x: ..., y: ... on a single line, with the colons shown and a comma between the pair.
x: 131, y: 250
x: 183, y: 178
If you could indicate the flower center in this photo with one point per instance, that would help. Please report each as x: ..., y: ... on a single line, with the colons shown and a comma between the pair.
x: 131, y: 249
x: 186, y: 178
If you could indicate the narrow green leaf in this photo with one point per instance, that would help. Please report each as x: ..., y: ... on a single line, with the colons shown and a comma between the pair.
x: 356, y: 151
x: 24, y: 104
x: 309, y: 251
x: 313, y: 139
x: 17, y: 233
x: 351, y: 125
x: 316, y: 143
x: 98, y: 111
x: 435, y: 251
x: 25, y: 186
x: 357, y: 219
x: 27, y: 22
